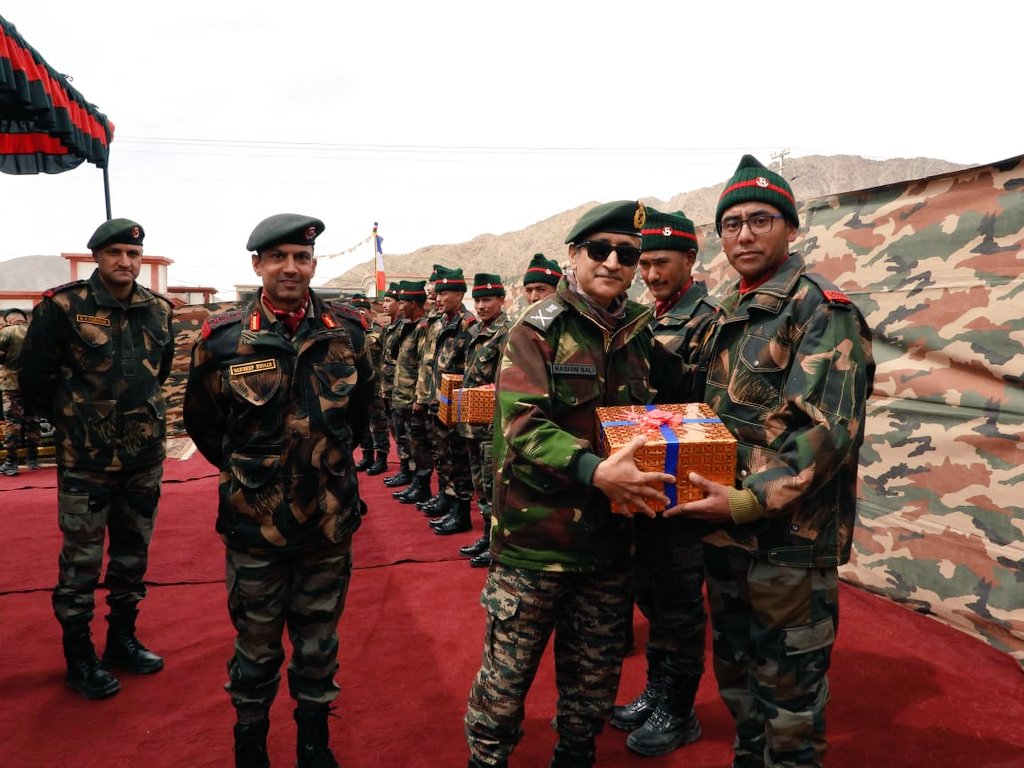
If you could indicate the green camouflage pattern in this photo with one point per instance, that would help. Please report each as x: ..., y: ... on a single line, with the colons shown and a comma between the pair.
x: 426, y: 380
x: 937, y: 267
x: 408, y: 360
x: 451, y: 458
x: 560, y: 363
x: 12, y: 337
x: 277, y: 416
x: 94, y: 368
x: 388, y: 357
x: 670, y: 328
x: 483, y: 358
x: 588, y: 613
x: 18, y: 426
x: 306, y: 590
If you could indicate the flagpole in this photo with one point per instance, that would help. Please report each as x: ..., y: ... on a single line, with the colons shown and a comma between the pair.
x: 378, y: 262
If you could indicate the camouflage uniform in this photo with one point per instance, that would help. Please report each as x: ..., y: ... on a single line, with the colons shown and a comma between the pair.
x: 376, y: 438
x: 788, y: 369
x: 407, y: 366
x: 277, y: 416
x: 94, y: 366
x: 424, y: 423
x: 18, y: 425
x: 388, y: 355
x: 561, y: 558
x: 450, y: 357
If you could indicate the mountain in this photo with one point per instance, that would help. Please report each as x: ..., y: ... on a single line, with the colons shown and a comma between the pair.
x: 812, y: 176
x: 34, y: 273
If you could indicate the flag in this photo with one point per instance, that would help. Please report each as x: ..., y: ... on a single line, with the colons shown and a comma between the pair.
x: 379, y: 258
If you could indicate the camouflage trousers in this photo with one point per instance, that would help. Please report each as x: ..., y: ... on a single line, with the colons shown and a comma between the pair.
x: 400, y: 419
x: 376, y: 437
x: 773, y: 628
x: 419, y: 441
x: 120, y: 506
x: 668, y: 585
x: 301, y: 591
x: 18, y: 426
x: 454, y: 473
x: 481, y: 465
x: 586, y: 612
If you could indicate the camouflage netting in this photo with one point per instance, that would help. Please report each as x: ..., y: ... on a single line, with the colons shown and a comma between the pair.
x: 937, y: 266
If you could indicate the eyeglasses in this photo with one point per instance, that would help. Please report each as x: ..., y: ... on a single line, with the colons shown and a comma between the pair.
x: 761, y: 224
x: 598, y: 250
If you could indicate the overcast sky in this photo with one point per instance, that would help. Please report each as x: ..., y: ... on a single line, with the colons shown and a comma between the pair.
x: 445, y: 120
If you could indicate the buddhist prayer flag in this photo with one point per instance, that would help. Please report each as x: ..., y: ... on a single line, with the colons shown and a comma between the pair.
x: 379, y: 255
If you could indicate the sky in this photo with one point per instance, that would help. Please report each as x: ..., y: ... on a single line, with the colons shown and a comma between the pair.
x: 442, y: 121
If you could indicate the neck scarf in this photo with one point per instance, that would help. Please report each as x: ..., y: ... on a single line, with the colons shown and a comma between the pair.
x: 661, y: 307
x: 610, y: 318
x: 290, y: 317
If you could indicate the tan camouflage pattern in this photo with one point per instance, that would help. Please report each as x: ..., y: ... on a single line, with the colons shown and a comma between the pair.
x: 11, y: 339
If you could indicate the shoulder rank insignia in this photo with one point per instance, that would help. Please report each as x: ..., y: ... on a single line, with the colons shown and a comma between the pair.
x: 340, y: 310
x: 210, y: 324
x: 57, y: 289
x: 540, y: 317
x: 837, y: 296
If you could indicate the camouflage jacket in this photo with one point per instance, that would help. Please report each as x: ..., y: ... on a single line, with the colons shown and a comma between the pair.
x: 426, y: 388
x: 407, y: 362
x: 11, y: 339
x: 670, y: 328
x: 374, y: 352
x: 483, y: 356
x: 789, y: 368
x: 388, y: 356
x: 452, y: 341
x: 94, y: 367
x: 276, y: 416
x: 560, y: 362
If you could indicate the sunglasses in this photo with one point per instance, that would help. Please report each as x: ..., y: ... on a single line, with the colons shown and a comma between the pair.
x: 597, y: 250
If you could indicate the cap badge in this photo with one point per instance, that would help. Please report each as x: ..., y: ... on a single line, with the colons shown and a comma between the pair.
x: 666, y: 231
x: 761, y: 181
x: 135, y: 232
x: 310, y: 233
x: 640, y: 217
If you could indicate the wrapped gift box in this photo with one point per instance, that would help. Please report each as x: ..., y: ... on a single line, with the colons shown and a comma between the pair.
x: 474, y: 405
x: 449, y: 383
x: 681, y: 439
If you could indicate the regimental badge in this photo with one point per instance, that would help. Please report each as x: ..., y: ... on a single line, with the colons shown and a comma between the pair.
x: 666, y: 231
x: 640, y: 217
x: 310, y: 233
x: 135, y: 233
x: 761, y: 181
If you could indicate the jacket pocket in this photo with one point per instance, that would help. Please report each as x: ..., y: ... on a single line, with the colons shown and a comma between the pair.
x: 93, y: 423
x: 334, y: 383
x: 256, y: 388
x: 760, y: 376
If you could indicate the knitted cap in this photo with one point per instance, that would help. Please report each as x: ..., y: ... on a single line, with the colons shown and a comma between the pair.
x: 542, y: 270
x: 668, y: 232
x: 448, y: 279
x: 392, y: 291
x: 753, y: 182
x: 487, y: 284
x: 412, y: 290
x: 359, y: 301
x: 624, y: 217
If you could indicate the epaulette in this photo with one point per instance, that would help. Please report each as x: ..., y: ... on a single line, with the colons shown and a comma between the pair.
x: 211, y: 324
x: 829, y: 290
x: 541, y: 314
x: 66, y: 286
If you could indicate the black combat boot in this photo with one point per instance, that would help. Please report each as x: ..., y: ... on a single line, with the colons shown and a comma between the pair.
x: 459, y: 520
x: 32, y: 457
x: 400, y: 478
x: 85, y: 674
x: 380, y: 464
x: 311, y: 746
x: 631, y: 716
x: 572, y: 755
x: 251, y: 737
x: 482, y: 544
x: 442, y: 508
x: 366, y: 462
x: 418, y: 490
x: 10, y: 466
x: 483, y: 560
x: 673, y: 722
x: 474, y: 763
x: 432, y: 503
x: 123, y: 647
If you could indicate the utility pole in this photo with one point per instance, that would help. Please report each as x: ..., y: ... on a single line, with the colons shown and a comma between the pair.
x: 781, y: 157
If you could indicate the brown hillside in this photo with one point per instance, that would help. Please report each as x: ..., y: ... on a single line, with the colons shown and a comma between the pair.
x: 811, y: 176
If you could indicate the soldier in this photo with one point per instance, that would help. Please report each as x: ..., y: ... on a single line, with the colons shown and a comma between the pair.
x: 561, y: 557
x: 541, y: 278
x: 452, y: 510
x: 788, y: 369
x: 374, y: 441
x: 412, y: 297
x: 275, y: 394
x: 483, y: 356
x: 94, y: 359
x: 668, y: 564
x: 18, y: 425
x: 389, y: 350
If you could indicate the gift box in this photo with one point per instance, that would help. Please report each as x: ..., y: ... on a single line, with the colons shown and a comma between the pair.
x: 449, y: 383
x: 681, y: 439
x: 474, y: 405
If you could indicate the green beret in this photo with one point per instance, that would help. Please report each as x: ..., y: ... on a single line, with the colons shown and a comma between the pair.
x: 542, y: 270
x: 284, y: 228
x: 624, y: 217
x: 116, y: 231
x: 487, y: 284
x: 412, y: 290
x: 392, y: 291
x: 449, y: 279
x: 668, y: 232
x: 753, y: 182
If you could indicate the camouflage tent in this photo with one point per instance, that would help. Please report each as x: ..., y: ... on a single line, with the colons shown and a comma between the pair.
x: 937, y: 266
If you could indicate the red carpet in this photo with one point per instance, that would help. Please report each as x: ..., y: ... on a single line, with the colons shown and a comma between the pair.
x: 906, y: 690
